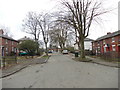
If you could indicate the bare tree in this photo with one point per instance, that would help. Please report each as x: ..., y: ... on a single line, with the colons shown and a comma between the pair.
x: 70, y: 38
x: 59, y: 33
x: 44, y: 25
x: 53, y: 38
x: 30, y: 25
x: 80, y: 17
x: 35, y: 24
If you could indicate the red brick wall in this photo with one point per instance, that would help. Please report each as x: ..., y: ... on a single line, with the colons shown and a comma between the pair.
x: 108, y: 41
x: 8, y: 45
x: 109, y: 49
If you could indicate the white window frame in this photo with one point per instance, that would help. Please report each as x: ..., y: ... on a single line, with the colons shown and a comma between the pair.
x: 113, y: 48
x: 104, y: 42
x: 12, y: 43
x: 6, y: 41
x: 6, y: 49
x: 113, y: 39
x: 105, y: 49
x: 13, y: 49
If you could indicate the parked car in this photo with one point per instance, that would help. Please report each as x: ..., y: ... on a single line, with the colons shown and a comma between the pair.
x: 50, y: 51
x: 23, y: 53
x: 65, y: 51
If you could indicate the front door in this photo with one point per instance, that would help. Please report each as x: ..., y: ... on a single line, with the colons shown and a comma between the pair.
x: 118, y: 48
x: 2, y: 51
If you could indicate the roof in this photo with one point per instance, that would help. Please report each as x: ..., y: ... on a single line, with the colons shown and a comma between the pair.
x: 88, y: 39
x: 24, y: 38
x: 7, y: 37
x: 109, y: 35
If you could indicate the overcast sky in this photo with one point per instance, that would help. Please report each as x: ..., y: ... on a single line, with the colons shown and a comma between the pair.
x: 12, y: 12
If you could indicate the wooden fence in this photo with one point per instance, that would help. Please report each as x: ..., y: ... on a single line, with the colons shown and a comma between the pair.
x: 8, y: 60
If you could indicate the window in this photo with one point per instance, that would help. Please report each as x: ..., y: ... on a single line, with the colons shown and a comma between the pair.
x: 6, y: 49
x: 113, y: 39
x: 113, y: 48
x: 104, y: 49
x: 12, y: 48
x: 15, y: 49
x: 98, y: 49
x: 98, y: 43
x: 103, y: 41
x: 12, y: 42
x: 6, y: 41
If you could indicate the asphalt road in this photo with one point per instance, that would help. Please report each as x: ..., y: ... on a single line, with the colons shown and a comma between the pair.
x: 62, y: 72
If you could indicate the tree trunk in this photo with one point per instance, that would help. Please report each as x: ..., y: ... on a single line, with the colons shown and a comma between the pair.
x: 37, y: 47
x: 63, y: 45
x: 46, y: 49
x: 79, y: 47
x: 82, y: 51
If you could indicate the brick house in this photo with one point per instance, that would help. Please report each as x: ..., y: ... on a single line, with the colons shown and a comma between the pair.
x: 7, y: 45
x: 107, y: 45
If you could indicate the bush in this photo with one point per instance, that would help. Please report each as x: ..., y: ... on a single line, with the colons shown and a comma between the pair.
x: 29, y: 46
x: 88, y: 52
x: 71, y: 49
x: 12, y: 53
x: 40, y: 52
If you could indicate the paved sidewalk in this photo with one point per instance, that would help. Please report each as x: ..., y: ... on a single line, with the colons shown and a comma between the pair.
x: 100, y: 61
x: 21, y: 65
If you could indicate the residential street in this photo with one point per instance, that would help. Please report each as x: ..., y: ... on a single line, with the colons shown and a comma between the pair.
x: 62, y: 72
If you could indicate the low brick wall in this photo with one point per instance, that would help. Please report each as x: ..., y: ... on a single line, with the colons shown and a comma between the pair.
x: 110, y: 55
x: 89, y: 53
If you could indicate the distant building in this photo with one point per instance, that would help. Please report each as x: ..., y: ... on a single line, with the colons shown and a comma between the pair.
x: 8, y: 45
x: 87, y: 44
x: 109, y: 43
x: 23, y: 39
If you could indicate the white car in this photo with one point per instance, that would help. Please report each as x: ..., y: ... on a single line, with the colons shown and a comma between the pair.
x: 65, y: 51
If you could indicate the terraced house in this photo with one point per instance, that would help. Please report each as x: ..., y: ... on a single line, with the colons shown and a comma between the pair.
x: 108, y: 45
x: 7, y: 45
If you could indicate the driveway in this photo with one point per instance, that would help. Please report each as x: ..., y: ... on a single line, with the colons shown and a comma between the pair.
x: 62, y: 72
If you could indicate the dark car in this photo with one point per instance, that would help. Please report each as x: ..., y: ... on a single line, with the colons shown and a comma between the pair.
x: 50, y: 51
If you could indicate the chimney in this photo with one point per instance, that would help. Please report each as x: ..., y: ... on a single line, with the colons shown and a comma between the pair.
x: 1, y: 32
x: 108, y: 33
